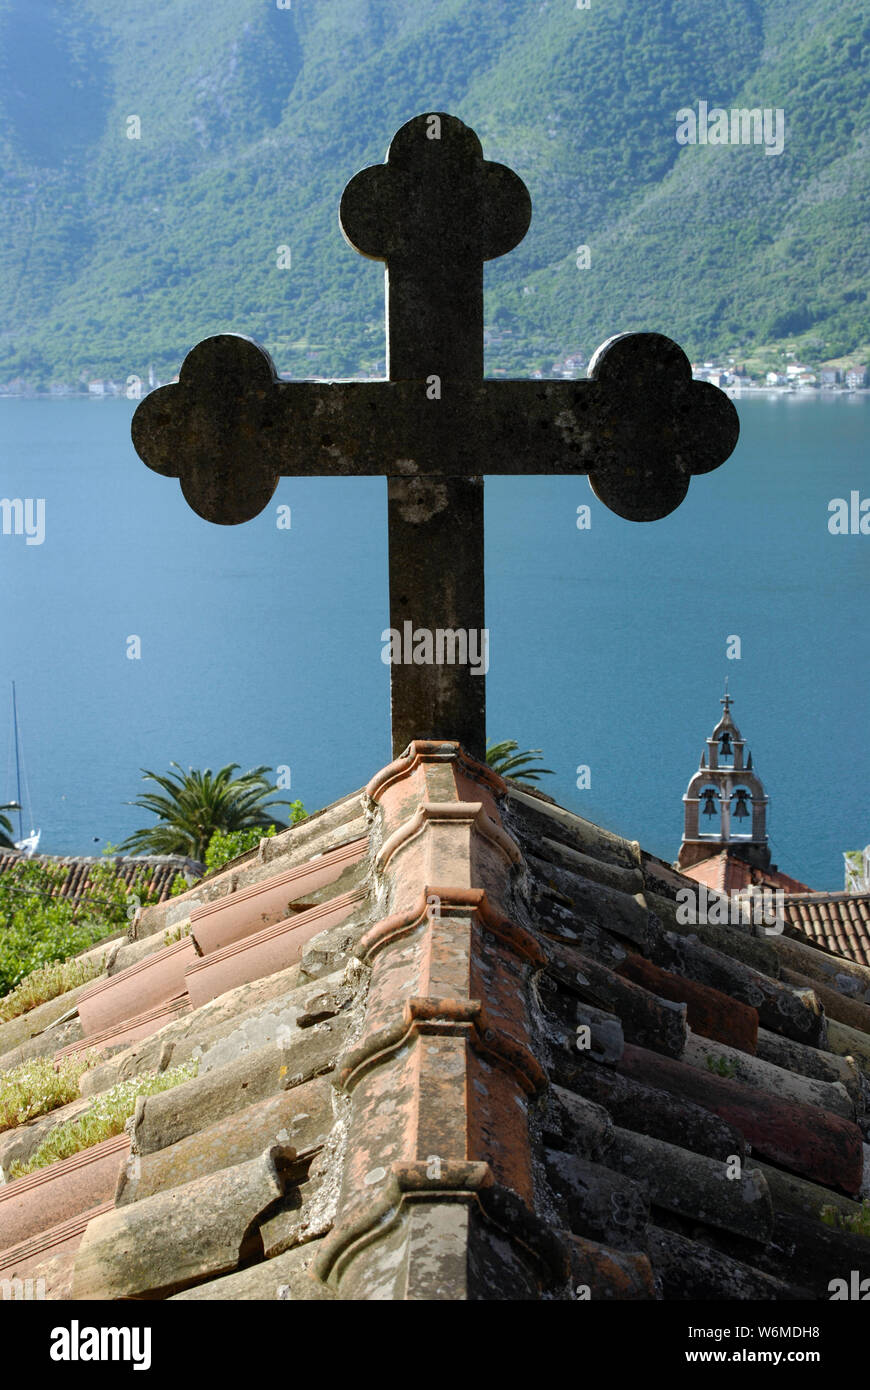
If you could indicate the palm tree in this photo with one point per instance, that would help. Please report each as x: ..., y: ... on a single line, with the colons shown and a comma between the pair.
x: 6, y: 829
x: 504, y: 759
x: 197, y: 804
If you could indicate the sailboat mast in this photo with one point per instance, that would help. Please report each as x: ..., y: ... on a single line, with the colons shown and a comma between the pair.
x: 17, y: 762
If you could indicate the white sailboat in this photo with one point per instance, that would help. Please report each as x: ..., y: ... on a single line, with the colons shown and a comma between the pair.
x: 27, y: 844
x: 30, y: 843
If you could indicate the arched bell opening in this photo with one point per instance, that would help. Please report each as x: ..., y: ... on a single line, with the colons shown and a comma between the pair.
x: 741, y: 814
x: 725, y: 755
x: 709, y: 814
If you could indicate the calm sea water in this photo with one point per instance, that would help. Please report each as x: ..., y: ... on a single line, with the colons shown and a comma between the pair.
x: 608, y: 646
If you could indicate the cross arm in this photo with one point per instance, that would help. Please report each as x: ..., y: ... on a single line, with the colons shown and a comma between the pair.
x: 640, y: 427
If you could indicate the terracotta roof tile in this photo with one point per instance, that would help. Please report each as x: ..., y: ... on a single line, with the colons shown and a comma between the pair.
x: 464, y: 1047
x: 727, y: 873
x: 837, y: 922
x: 160, y: 872
x: 708, y: 1011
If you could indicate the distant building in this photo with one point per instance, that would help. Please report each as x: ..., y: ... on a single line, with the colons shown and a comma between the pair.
x: 857, y: 864
x: 570, y: 366
x: 775, y: 379
x: 156, y: 873
x: 856, y: 378
x: 835, y: 922
x: 724, y: 793
x: 725, y: 847
x: 715, y: 375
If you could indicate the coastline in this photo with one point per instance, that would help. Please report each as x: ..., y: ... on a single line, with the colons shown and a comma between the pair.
x: 812, y: 393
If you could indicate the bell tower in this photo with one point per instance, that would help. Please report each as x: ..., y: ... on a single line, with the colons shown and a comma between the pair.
x: 725, y: 804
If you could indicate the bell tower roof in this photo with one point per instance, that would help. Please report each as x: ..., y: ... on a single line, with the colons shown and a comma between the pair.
x: 726, y: 722
x: 725, y: 806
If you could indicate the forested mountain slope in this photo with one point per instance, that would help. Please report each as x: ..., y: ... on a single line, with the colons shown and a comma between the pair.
x: 117, y: 252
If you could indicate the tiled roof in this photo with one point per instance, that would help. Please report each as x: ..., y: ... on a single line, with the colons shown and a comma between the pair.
x: 160, y: 871
x: 453, y: 1042
x: 728, y: 874
x: 838, y: 922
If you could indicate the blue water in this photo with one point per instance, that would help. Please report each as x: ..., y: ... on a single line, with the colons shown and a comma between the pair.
x: 608, y: 646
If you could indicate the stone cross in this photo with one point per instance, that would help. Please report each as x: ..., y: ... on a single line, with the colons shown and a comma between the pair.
x: 434, y: 212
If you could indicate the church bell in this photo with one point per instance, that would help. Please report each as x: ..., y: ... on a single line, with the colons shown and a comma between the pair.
x: 740, y: 811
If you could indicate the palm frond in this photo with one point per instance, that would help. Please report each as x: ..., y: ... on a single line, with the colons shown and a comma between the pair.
x: 6, y: 827
x: 505, y: 759
x: 197, y: 803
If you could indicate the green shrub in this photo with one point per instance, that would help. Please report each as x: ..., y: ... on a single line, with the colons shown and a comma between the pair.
x: 173, y: 934
x: 105, y: 1118
x: 722, y: 1066
x: 37, y: 926
x: 40, y: 1086
x: 856, y: 1223
x: 48, y: 982
x: 226, y: 845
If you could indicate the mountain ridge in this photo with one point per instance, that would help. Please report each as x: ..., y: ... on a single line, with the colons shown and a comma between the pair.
x: 117, y: 253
